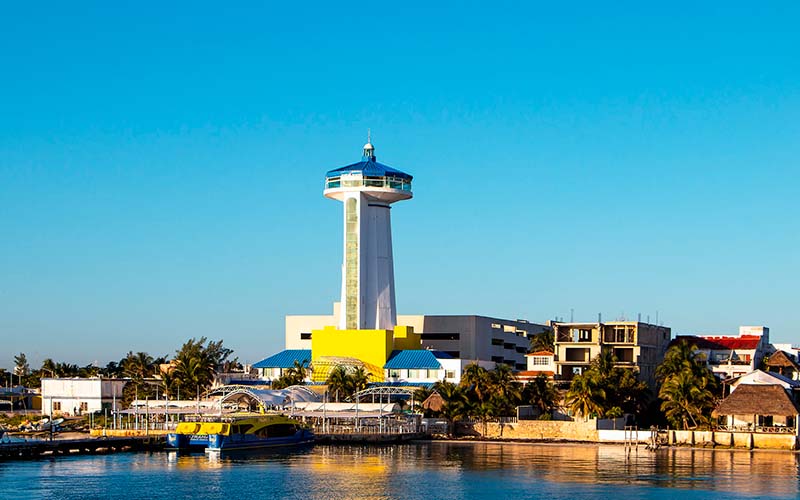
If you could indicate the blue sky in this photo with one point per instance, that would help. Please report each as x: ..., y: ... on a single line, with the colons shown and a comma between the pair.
x: 161, y: 167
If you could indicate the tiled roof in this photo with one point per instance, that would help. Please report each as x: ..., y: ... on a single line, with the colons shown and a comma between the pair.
x: 285, y: 359
x: 540, y: 353
x: 417, y: 359
x: 722, y: 343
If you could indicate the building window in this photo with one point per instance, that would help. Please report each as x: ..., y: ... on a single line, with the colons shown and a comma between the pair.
x: 449, y: 374
x: 540, y: 360
x: 305, y: 336
x: 508, y: 346
x: 496, y: 326
x: 497, y: 341
x: 440, y: 336
x: 56, y: 405
x: 394, y: 373
x: 497, y: 359
x: 84, y: 406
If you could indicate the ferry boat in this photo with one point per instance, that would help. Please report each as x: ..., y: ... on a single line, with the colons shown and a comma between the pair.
x: 240, y: 434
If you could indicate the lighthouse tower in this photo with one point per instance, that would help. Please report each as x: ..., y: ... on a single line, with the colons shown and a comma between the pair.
x: 367, y: 189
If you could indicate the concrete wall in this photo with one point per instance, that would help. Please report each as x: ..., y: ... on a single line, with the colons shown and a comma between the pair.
x: 542, y: 430
x: 733, y: 439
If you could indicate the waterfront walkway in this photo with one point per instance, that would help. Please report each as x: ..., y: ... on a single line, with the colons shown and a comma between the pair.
x: 64, y: 447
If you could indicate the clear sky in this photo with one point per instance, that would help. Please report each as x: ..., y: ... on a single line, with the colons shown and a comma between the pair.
x: 162, y: 166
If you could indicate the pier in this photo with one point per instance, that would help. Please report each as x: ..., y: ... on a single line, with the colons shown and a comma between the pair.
x: 86, y: 446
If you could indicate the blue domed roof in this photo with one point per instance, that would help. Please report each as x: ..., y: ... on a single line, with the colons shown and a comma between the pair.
x: 369, y: 167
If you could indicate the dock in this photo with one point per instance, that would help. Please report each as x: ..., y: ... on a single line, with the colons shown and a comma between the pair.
x: 368, y: 437
x: 35, y: 449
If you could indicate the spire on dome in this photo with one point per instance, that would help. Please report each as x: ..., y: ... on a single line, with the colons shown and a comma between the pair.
x: 369, y: 149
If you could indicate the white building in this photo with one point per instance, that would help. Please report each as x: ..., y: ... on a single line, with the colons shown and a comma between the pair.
x: 471, y: 338
x: 729, y: 356
x: 539, y: 363
x: 77, y: 396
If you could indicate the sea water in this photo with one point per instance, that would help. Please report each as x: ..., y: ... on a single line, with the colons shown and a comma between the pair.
x: 446, y: 470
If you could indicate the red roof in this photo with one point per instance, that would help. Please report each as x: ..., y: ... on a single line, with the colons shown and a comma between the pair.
x: 533, y: 374
x: 722, y: 343
x: 540, y: 353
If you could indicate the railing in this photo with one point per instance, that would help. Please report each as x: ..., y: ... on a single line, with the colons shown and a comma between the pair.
x: 776, y: 429
x: 496, y: 420
x: 379, y: 182
x: 365, y: 429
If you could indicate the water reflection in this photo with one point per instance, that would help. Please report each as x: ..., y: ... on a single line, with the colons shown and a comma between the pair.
x: 426, y: 470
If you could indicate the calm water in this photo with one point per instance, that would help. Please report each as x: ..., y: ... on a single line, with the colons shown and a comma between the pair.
x: 428, y: 470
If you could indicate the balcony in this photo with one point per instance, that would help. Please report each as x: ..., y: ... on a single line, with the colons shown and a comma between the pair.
x: 368, y: 181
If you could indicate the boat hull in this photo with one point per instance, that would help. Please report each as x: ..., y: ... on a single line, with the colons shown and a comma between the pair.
x: 221, y: 443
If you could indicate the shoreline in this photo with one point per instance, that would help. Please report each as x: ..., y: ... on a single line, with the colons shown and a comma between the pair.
x: 567, y: 442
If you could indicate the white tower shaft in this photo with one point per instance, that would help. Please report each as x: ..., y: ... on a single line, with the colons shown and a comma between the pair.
x: 368, y: 300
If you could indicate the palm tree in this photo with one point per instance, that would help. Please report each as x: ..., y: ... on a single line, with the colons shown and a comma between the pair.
x: 540, y: 393
x: 359, y: 379
x: 506, y: 391
x: 544, y: 341
x: 49, y: 366
x: 456, y: 405
x: 476, y: 378
x: 585, y: 396
x: 338, y: 382
x: 484, y: 411
x: 21, y: 367
x: 680, y: 356
x: 604, y: 364
x: 686, y: 399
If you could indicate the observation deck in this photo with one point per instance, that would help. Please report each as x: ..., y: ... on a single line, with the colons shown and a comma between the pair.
x: 375, y: 179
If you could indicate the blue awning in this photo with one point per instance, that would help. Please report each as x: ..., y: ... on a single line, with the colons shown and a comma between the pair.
x: 286, y: 359
x: 419, y: 359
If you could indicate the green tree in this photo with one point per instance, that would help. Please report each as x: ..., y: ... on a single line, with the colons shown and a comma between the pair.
x: 21, y: 366
x: 338, y: 382
x: 295, y: 375
x: 585, y: 396
x: 687, y: 400
x: 541, y: 394
x: 455, y: 402
x: 197, y: 362
x: 358, y: 380
x: 544, y: 341
x: 506, y: 392
x: 476, y: 379
x: 679, y: 357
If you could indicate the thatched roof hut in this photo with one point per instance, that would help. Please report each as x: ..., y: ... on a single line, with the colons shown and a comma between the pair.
x: 782, y: 363
x: 434, y: 402
x: 758, y: 400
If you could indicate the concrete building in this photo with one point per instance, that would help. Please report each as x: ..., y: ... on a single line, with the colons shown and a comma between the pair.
x: 77, y: 396
x: 729, y: 356
x: 539, y: 363
x: 467, y: 337
x: 636, y: 345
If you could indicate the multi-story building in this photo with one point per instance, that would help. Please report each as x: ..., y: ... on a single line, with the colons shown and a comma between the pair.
x: 729, y: 356
x: 636, y: 345
x: 467, y: 337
